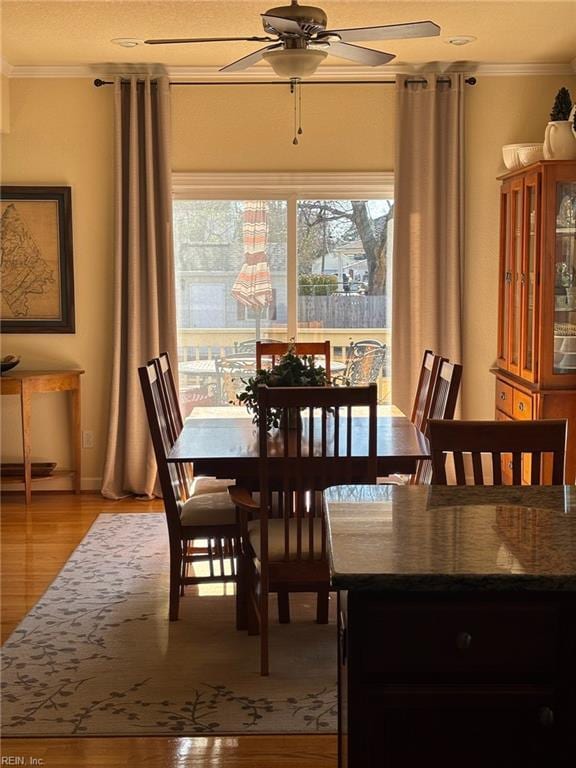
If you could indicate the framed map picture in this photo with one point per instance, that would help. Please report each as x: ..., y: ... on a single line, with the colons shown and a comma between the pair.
x: 36, y: 269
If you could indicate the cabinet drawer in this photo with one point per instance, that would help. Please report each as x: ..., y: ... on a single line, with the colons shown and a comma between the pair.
x: 504, y: 397
x: 455, y: 728
x: 459, y: 643
x: 501, y: 416
x: 522, y: 405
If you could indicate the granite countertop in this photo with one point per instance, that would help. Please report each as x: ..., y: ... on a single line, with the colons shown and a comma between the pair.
x: 438, y: 538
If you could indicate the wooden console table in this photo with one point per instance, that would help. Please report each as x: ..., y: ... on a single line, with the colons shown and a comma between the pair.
x: 25, y: 384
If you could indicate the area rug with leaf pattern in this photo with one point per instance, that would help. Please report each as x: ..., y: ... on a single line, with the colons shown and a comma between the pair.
x: 97, y: 656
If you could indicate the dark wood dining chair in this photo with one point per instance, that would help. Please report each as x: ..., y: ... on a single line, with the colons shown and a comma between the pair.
x: 442, y: 406
x: 500, y: 452
x: 430, y: 393
x: 273, y: 350
x: 190, y: 485
x: 191, y: 513
x: 425, y: 388
x: 285, y: 547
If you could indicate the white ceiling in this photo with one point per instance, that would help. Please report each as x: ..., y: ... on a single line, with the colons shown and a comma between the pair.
x: 76, y: 34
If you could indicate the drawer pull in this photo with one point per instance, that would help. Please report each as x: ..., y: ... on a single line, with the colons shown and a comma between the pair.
x: 502, y: 395
x: 546, y: 717
x: 521, y: 407
x: 463, y: 641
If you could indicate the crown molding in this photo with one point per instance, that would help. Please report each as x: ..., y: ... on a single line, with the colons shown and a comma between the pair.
x: 264, y: 73
x: 519, y: 69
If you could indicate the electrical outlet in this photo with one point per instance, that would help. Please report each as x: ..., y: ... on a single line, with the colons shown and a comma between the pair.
x: 88, y: 439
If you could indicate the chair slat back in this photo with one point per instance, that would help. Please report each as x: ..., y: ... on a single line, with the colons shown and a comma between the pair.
x: 442, y: 406
x: 273, y: 350
x: 172, y: 414
x: 171, y: 481
x: 322, y: 450
x: 166, y: 377
x: 425, y: 388
x: 503, y: 443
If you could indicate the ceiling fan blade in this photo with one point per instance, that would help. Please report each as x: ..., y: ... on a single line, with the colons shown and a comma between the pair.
x: 248, y: 61
x: 357, y: 53
x: 388, y: 32
x: 209, y: 40
x: 280, y: 25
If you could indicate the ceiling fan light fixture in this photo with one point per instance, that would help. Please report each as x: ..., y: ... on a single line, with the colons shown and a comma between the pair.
x: 295, y: 63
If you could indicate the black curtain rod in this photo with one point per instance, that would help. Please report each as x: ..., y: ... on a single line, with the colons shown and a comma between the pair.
x: 469, y: 81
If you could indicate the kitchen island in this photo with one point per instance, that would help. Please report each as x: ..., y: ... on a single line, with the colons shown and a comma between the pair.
x: 456, y: 625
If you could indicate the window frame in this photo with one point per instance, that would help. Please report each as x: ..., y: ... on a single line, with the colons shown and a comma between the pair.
x: 302, y: 185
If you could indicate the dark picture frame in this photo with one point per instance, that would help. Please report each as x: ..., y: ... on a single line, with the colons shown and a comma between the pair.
x: 37, y: 270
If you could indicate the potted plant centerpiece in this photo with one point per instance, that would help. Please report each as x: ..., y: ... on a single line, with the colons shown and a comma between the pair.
x: 559, y: 141
x: 291, y: 370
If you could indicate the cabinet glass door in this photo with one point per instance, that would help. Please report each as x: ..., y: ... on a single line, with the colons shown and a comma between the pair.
x: 565, y: 279
x: 529, y: 278
x: 504, y: 282
x: 515, y: 276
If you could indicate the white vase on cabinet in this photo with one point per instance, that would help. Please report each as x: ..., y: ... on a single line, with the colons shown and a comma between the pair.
x: 559, y: 141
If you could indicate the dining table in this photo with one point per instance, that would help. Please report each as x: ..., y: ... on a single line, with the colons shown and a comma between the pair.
x: 223, y: 442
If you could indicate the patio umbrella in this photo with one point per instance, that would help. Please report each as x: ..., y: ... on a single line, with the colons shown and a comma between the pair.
x: 253, y: 286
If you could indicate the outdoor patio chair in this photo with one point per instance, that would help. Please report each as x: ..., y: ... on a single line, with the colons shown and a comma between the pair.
x: 231, y: 373
x: 364, y: 366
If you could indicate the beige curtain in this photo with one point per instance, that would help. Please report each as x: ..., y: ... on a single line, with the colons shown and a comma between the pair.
x: 144, y: 286
x: 428, y: 228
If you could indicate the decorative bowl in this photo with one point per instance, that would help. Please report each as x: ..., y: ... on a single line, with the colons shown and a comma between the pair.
x: 531, y: 153
x: 510, y: 155
x: 8, y: 362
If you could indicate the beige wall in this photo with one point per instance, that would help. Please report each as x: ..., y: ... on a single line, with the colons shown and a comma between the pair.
x: 243, y: 128
x: 4, y: 104
x: 61, y: 133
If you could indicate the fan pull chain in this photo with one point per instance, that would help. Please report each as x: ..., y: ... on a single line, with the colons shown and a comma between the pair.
x: 296, y: 89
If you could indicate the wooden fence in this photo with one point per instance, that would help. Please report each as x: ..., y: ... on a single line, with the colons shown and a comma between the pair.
x: 343, y: 310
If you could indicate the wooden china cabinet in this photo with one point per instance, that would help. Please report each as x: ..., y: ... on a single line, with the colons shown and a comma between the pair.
x: 536, y: 365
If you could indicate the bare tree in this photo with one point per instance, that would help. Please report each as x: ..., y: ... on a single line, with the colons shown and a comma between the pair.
x: 346, y: 221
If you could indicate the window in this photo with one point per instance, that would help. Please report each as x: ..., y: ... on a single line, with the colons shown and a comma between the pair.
x: 274, y: 256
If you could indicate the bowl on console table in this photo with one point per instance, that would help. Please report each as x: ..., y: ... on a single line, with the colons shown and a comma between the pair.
x: 8, y: 362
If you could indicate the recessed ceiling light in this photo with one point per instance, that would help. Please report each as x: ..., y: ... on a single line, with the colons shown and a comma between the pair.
x: 460, y: 39
x: 126, y: 42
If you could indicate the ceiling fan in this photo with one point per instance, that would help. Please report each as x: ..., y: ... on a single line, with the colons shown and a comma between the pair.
x: 300, y: 41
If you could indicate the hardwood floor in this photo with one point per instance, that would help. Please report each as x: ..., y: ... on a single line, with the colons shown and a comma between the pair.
x: 36, y: 541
